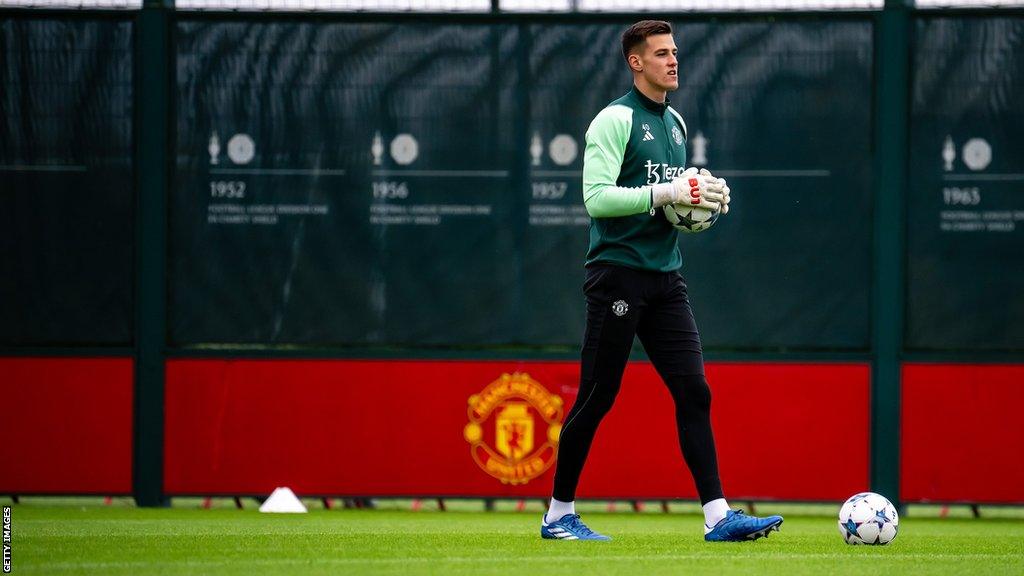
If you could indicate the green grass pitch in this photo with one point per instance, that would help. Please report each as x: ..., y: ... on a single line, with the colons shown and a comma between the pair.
x: 120, y: 539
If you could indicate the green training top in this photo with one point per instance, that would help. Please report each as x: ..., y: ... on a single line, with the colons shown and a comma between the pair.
x: 633, y: 143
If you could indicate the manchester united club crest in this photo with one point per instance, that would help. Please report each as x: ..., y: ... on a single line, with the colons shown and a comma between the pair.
x: 513, y: 428
x: 620, y: 307
x: 677, y: 135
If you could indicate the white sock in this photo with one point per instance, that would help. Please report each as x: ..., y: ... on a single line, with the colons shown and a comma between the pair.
x: 559, y: 509
x: 714, y: 511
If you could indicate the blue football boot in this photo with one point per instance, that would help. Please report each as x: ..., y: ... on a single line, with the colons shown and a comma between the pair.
x: 569, y: 527
x: 737, y: 527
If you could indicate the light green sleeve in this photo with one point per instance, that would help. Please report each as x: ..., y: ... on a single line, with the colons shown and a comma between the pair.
x: 602, y: 161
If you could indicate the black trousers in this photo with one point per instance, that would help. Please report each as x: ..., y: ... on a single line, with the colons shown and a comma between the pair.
x: 623, y: 303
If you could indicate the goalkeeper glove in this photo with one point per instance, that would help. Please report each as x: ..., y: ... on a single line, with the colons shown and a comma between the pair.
x: 692, y: 188
x: 722, y: 185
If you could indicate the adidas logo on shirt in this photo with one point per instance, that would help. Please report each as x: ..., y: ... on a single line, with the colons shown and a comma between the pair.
x: 647, y: 132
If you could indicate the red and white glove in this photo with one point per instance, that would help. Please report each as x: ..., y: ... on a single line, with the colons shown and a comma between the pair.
x: 719, y: 186
x: 691, y: 188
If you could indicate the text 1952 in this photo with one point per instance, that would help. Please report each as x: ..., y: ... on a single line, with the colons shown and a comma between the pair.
x: 227, y: 189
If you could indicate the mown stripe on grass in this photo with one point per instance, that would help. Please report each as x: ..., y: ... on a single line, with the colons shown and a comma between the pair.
x: 476, y: 559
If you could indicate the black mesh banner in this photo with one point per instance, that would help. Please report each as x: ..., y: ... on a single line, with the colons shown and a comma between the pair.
x: 343, y: 183
x: 783, y: 111
x: 420, y: 184
x: 965, y: 216
x: 66, y: 182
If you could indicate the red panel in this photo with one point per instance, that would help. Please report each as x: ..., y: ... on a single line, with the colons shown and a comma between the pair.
x: 400, y: 428
x: 962, y: 433
x: 782, y: 431
x: 67, y: 424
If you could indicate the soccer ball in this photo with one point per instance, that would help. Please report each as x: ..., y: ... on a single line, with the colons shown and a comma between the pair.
x: 690, y: 219
x: 868, y: 518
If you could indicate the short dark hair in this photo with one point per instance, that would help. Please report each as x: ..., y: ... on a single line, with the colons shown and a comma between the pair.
x: 637, y: 34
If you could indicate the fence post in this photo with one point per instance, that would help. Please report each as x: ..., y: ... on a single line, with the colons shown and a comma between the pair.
x: 152, y: 119
x: 892, y: 89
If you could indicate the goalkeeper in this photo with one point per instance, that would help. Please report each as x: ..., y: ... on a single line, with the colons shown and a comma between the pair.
x: 633, y: 165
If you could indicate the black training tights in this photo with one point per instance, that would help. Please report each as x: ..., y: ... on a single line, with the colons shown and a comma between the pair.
x: 623, y: 303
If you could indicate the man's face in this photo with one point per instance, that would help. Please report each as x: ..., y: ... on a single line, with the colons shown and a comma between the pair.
x: 660, y: 66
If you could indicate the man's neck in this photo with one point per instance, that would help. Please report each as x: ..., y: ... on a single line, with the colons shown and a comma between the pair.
x: 655, y: 94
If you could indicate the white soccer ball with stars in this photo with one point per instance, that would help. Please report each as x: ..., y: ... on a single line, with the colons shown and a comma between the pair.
x: 690, y: 219
x: 868, y: 518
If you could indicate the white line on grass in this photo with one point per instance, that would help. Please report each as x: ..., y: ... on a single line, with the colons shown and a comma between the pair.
x: 491, y: 560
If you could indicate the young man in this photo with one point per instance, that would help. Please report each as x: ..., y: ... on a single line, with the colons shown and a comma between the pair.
x: 633, y: 166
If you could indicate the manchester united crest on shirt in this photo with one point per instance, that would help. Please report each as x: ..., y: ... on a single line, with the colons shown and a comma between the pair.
x: 677, y: 135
